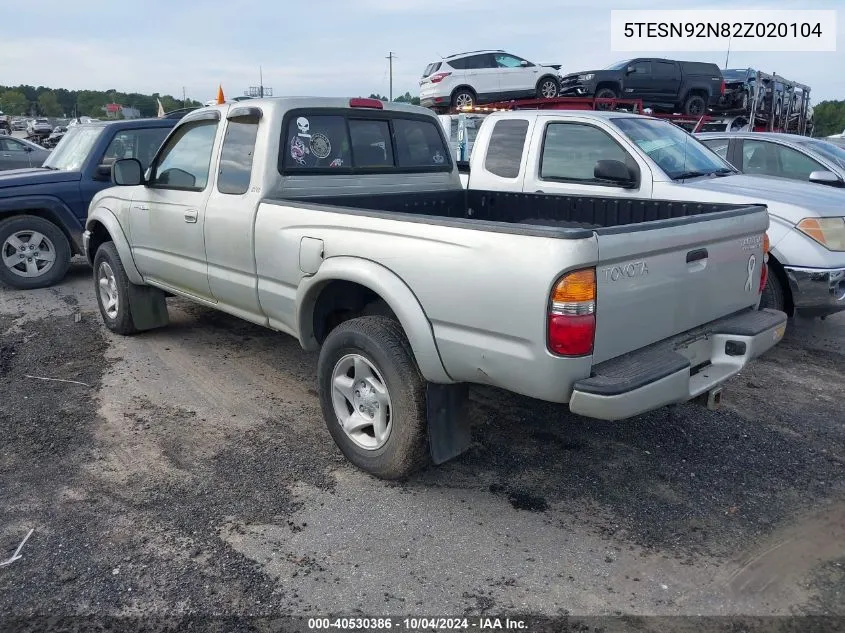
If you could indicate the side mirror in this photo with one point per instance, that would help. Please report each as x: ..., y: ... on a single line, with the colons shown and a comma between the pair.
x: 630, y: 69
x: 614, y: 171
x: 127, y: 172
x: 824, y: 177
x: 523, y: 63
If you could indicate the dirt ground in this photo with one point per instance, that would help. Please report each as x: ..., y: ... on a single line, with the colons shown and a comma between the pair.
x: 188, y: 470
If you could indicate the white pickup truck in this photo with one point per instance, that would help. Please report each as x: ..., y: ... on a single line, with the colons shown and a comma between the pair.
x: 555, y: 152
x: 344, y: 224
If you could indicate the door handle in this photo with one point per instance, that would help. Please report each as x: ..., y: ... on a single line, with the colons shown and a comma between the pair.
x: 191, y: 215
x: 140, y: 207
x: 697, y: 255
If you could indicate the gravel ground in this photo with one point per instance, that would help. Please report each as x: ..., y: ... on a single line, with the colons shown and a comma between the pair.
x: 188, y: 471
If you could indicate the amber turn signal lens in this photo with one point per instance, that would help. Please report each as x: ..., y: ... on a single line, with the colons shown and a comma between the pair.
x: 579, y: 285
x: 765, y: 243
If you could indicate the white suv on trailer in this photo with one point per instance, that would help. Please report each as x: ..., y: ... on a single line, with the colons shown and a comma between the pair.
x: 468, y: 79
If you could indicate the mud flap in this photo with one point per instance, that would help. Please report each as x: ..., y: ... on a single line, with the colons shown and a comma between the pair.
x: 448, y: 423
x: 148, y: 307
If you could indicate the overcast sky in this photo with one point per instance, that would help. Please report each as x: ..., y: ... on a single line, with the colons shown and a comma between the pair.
x: 335, y: 47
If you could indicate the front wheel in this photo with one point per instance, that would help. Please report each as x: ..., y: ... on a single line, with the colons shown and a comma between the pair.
x: 373, y: 397
x: 773, y: 295
x: 605, y: 93
x: 111, y: 286
x: 34, y: 253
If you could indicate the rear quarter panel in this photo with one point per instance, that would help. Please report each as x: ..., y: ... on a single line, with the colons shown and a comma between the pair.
x: 485, y: 293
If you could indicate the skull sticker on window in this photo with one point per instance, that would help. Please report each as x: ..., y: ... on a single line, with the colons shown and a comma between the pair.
x: 304, y: 126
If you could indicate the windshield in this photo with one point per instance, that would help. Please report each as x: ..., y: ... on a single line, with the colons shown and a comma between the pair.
x: 676, y: 152
x: 618, y: 65
x: 734, y: 74
x: 830, y: 151
x: 73, y: 149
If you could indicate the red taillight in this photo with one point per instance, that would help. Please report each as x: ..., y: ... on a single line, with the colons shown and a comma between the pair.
x: 438, y: 77
x: 764, y: 269
x: 572, y: 318
x: 363, y: 102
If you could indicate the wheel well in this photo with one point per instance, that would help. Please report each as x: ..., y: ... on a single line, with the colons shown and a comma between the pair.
x: 99, y: 236
x: 544, y: 77
x: 608, y: 84
x: 50, y: 216
x: 341, y: 301
x: 697, y: 92
x: 777, y: 268
x: 467, y: 88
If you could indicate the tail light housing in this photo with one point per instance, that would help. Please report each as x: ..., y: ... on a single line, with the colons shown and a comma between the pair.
x: 572, y: 314
x: 764, y: 269
x: 722, y: 87
x: 436, y: 78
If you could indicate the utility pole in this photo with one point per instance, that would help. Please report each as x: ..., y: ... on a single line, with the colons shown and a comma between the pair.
x: 390, y: 58
x: 184, y: 98
x: 261, y: 81
x: 728, y: 55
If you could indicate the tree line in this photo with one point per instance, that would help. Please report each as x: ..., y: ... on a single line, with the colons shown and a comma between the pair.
x: 829, y: 116
x: 59, y: 102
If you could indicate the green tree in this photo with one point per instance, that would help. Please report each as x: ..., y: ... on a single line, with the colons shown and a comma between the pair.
x: 48, y: 104
x: 407, y: 98
x: 13, y: 102
x: 829, y: 118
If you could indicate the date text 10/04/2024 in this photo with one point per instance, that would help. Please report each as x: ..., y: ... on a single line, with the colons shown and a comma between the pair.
x: 422, y: 623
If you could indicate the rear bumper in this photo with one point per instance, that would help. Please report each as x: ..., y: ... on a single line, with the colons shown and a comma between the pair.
x: 815, y: 291
x: 678, y: 369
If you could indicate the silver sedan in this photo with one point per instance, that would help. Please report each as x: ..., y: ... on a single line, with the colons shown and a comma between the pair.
x: 17, y: 153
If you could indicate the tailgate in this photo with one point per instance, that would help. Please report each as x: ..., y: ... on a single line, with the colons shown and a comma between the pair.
x: 658, y: 279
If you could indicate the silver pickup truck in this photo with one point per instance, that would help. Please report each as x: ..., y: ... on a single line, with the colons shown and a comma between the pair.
x: 344, y: 224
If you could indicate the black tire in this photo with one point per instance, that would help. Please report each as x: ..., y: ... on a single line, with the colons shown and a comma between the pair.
x: 695, y: 105
x: 55, y: 240
x: 605, y: 93
x: 382, y: 343
x: 121, y: 322
x: 548, y: 88
x: 773, y: 295
x: 464, y: 97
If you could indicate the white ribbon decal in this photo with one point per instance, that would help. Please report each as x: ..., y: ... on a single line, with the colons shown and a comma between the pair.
x: 748, y: 282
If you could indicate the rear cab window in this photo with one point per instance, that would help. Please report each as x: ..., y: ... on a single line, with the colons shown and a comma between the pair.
x: 343, y: 141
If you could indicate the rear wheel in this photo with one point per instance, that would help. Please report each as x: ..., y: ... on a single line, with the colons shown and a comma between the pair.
x: 695, y: 105
x: 373, y: 397
x: 547, y: 88
x: 463, y: 98
x: 34, y: 253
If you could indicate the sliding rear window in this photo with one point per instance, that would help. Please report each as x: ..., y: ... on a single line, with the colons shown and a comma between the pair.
x: 361, y: 142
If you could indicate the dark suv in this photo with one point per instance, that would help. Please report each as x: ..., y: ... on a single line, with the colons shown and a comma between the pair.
x: 665, y: 84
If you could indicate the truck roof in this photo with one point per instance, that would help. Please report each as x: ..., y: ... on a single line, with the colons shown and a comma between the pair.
x: 581, y: 114
x: 292, y: 103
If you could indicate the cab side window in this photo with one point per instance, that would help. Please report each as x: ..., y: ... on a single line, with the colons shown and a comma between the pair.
x: 571, y: 151
x: 504, y: 152
x: 184, y: 163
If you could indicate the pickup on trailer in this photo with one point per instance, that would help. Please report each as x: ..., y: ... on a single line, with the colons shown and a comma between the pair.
x: 690, y: 87
x: 344, y: 223
x: 42, y: 210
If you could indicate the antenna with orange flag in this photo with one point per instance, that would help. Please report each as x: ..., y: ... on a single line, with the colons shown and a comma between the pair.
x: 220, y: 98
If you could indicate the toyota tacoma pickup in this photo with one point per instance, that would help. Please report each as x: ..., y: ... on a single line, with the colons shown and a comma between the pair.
x: 344, y: 223
x: 555, y: 153
x: 42, y: 210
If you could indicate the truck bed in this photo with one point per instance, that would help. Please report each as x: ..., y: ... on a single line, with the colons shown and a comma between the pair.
x: 576, y: 215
